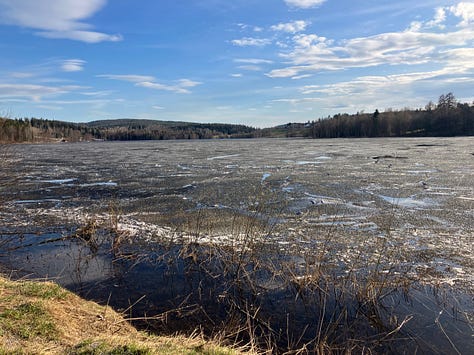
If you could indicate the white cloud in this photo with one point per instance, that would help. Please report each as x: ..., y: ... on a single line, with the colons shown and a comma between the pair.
x: 56, y: 18
x: 156, y: 107
x: 186, y: 83
x: 311, y: 53
x: 250, y: 67
x: 298, y: 77
x: 83, y: 36
x: 149, y: 82
x: 464, y: 10
x: 249, y: 41
x: 158, y: 86
x: 379, y: 91
x: 253, y: 61
x: 438, y: 21
x: 73, y: 65
x: 130, y: 78
x: 50, y: 107
x: 291, y: 27
x: 22, y: 75
x: 304, y: 4
x: 31, y: 91
x: 459, y: 60
x: 237, y: 75
x: 439, y: 18
x: 96, y: 102
x: 97, y: 93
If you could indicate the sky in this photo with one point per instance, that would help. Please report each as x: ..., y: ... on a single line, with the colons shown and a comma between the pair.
x: 255, y: 62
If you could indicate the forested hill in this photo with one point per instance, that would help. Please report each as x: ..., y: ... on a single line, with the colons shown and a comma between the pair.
x: 447, y: 118
x: 133, y: 129
x: 43, y: 130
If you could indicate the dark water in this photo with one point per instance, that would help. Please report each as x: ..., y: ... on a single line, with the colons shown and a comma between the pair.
x: 286, y: 196
x: 177, y: 293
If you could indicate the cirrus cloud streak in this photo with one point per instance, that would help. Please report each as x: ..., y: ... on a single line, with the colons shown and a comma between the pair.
x: 181, y: 86
x: 304, y: 4
x: 56, y: 19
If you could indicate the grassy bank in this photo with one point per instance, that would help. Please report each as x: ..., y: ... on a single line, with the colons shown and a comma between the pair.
x: 43, y: 318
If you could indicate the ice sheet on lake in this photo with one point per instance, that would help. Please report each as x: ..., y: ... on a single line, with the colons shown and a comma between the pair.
x: 323, y: 157
x: 343, y: 186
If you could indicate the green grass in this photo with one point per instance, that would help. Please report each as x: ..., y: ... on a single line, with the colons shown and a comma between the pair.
x: 11, y: 352
x: 90, y: 347
x: 43, y: 318
x: 102, y: 347
x: 41, y: 290
x: 28, y: 321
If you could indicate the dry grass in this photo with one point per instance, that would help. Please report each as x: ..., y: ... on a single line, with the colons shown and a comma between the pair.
x: 43, y: 318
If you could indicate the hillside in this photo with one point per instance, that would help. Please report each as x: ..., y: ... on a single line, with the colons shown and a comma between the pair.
x: 448, y: 118
x: 140, y: 129
x: 43, y: 130
x: 43, y: 318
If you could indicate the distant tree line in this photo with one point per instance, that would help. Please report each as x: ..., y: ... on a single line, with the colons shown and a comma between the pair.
x: 179, y: 131
x: 43, y: 130
x: 447, y: 118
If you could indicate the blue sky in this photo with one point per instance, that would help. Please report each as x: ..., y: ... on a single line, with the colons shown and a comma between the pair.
x: 255, y: 62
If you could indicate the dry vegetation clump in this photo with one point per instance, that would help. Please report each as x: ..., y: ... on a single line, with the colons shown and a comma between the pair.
x: 43, y: 318
x: 323, y: 292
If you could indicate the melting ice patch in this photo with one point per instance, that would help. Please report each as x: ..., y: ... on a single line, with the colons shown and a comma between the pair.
x: 317, y: 160
x: 305, y: 162
x: 21, y: 202
x: 407, y: 202
x: 59, y: 181
x: 223, y: 156
x: 103, y: 183
x: 318, y: 199
x: 416, y: 172
x: 265, y: 176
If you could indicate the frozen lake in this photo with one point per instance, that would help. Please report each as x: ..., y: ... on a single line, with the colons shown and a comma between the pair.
x: 411, y: 197
x: 418, y: 192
